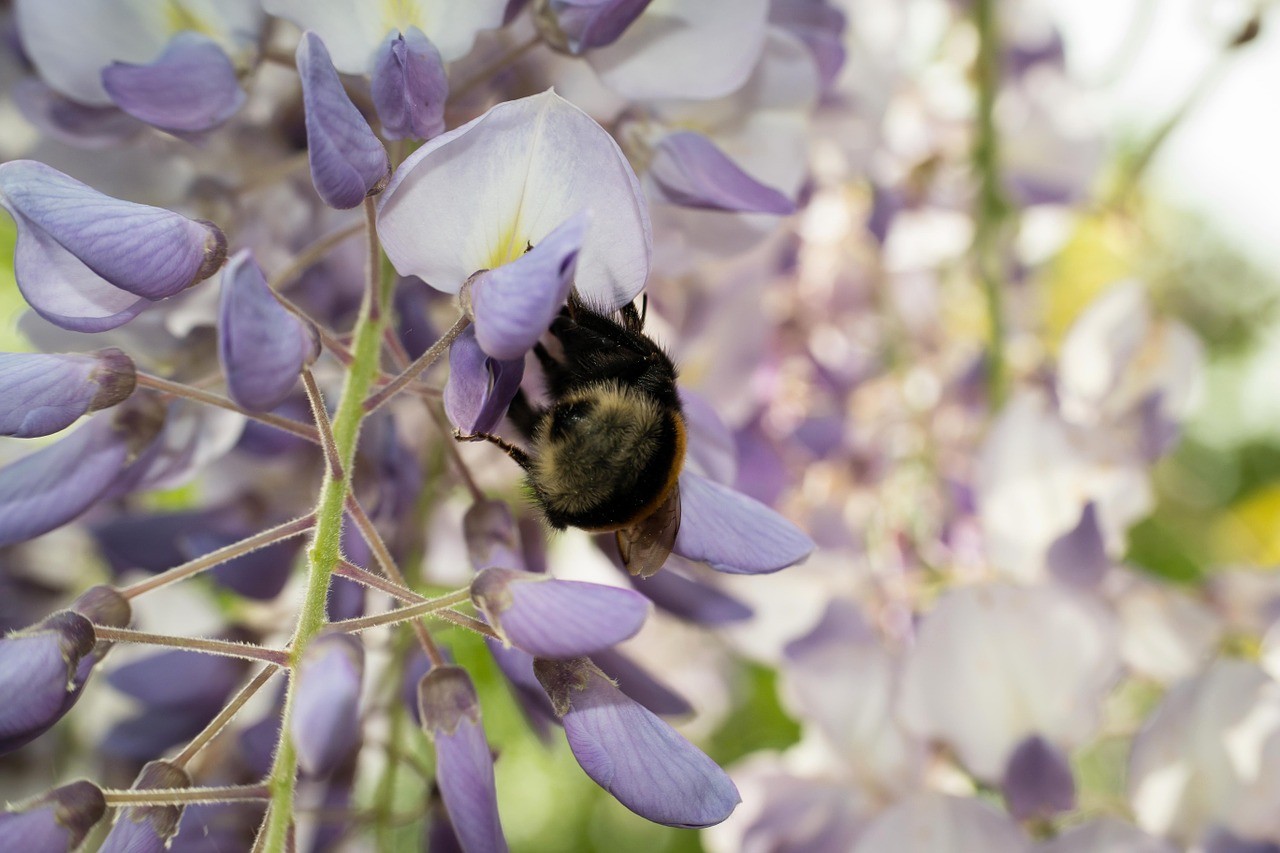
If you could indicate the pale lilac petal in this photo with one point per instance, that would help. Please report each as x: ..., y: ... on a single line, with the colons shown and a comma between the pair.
x: 557, y: 619
x: 579, y: 25
x: 689, y: 170
x: 37, y: 671
x: 48, y: 488
x: 41, y: 394
x: 1105, y: 835
x: 1079, y: 556
x: 348, y: 162
x: 148, y: 829
x: 633, y: 680
x: 410, y: 87
x: 479, y: 388
x: 514, y: 304
x: 262, y: 345
x: 712, y: 448
x: 734, y: 533
x: 490, y: 533
x: 820, y: 26
x: 79, y: 125
x: 930, y: 822
x: 511, y: 177
x: 631, y: 753
x: 191, y: 87
x: 1220, y: 840
x: 325, y: 724
x: 88, y: 262
x: 1037, y: 781
x: 450, y: 713
x: 54, y: 822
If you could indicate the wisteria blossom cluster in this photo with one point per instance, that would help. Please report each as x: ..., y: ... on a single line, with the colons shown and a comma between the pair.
x: 319, y: 515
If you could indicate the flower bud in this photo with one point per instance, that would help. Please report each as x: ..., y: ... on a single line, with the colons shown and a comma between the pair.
x: 410, y: 86
x: 54, y: 822
x: 479, y: 388
x: 191, y: 87
x: 38, y: 675
x: 42, y: 394
x: 325, y: 724
x: 147, y: 829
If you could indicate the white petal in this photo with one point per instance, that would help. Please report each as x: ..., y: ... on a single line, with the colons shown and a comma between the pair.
x: 478, y: 196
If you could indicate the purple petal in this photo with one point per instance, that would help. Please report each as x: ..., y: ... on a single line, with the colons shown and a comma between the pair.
x: 557, y: 619
x: 70, y: 122
x: 690, y: 599
x: 147, y: 829
x: 631, y: 753
x: 48, y: 488
x: 151, y: 733
x: 711, y: 445
x: 259, y: 575
x: 41, y: 394
x: 88, y: 262
x: 149, y: 542
x: 490, y: 533
x: 579, y: 25
x: 37, y: 670
x: 1079, y: 556
x: 262, y: 346
x: 820, y: 26
x: 517, y: 666
x: 218, y: 827
x: 450, y: 713
x: 190, y: 88
x: 326, y: 720
x: 348, y: 162
x: 1222, y: 840
x: 179, y: 679
x: 633, y: 680
x: 479, y: 388
x: 256, y: 743
x: 689, y: 170
x: 53, y: 822
x: 410, y: 87
x: 514, y: 304
x: 733, y: 533
x: 1037, y: 781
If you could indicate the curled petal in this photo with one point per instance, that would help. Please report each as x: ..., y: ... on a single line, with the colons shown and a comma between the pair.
x: 55, y: 821
x: 410, y: 86
x: 37, y: 671
x: 512, y: 176
x: 348, y: 161
x: 479, y: 388
x: 261, y: 344
x: 575, y: 26
x: 632, y: 753
x: 41, y: 394
x: 450, y: 713
x: 734, y: 533
x: 326, y: 720
x: 689, y: 170
x: 88, y: 262
x: 191, y: 87
x: 513, y: 305
x: 557, y: 619
x: 148, y: 829
x: 1037, y: 781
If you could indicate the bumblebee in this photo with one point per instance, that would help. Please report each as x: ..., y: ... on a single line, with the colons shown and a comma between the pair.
x: 605, y: 453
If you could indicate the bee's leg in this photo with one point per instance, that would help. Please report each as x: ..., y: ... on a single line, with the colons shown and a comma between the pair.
x: 522, y: 459
x: 523, y: 415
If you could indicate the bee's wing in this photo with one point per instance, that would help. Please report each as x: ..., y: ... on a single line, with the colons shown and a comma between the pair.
x: 646, y: 544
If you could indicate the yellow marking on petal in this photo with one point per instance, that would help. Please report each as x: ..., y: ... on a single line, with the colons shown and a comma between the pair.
x: 511, y: 244
x: 178, y: 18
x: 402, y: 14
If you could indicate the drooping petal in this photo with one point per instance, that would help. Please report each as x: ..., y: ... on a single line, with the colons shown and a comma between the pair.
x: 450, y: 713
x: 689, y: 170
x: 734, y: 533
x: 46, y: 489
x: 554, y: 618
x: 348, y: 161
x: 576, y: 26
x: 490, y: 533
x: 88, y: 262
x: 1037, y: 781
x: 37, y: 670
x: 190, y: 88
x: 690, y: 599
x: 512, y: 176
x: 261, y: 344
x: 148, y: 829
x: 479, y: 388
x: 410, y: 87
x: 930, y: 822
x: 326, y: 721
x: 1079, y: 556
x: 54, y: 822
x: 513, y: 306
x: 41, y: 394
x: 635, y: 681
x: 631, y: 753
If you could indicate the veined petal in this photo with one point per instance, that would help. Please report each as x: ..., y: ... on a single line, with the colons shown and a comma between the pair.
x: 83, y: 259
x: 191, y: 87
x: 511, y: 177
x: 450, y: 713
x: 513, y: 305
x: 55, y: 821
x: 409, y: 87
x: 348, y: 161
x: 261, y: 344
x: 631, y: 753
x: 734, y: 533
x: 148, y: 829
x: 325, y: 724
x: 557, y: 619
x: 41, y: 394
x: 479, y: 388
x: 689, y: 170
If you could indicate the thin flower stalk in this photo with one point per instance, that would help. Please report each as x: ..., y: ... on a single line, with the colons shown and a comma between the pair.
x: 227, y: 648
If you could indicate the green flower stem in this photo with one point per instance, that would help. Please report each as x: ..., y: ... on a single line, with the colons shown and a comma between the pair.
x: 323, y: 554
x: 990, y: 209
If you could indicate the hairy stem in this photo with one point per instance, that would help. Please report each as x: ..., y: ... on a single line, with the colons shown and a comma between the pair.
x: 321, y: 416
x: 226, y: 648
x: 177, y: 389
x: 225, y: 716
x: 420, y: 364
x: 404, y: 614
x: 169, y: 796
